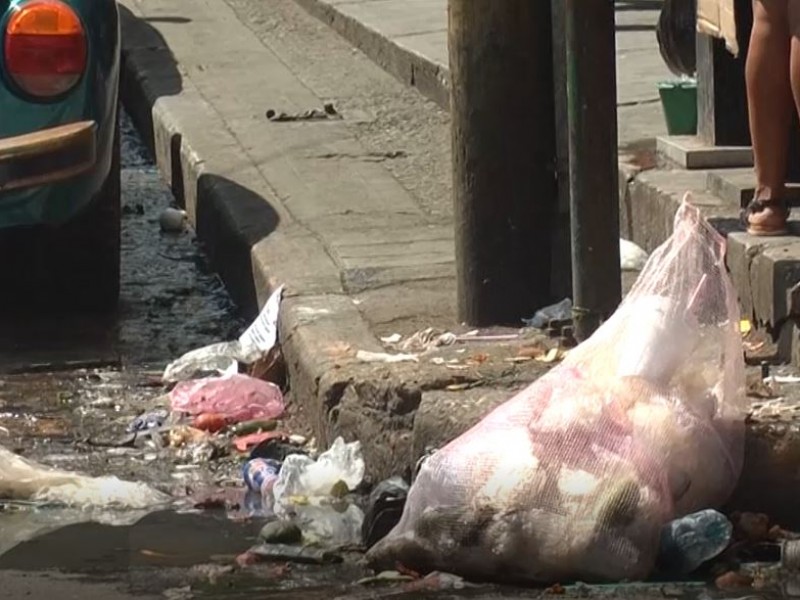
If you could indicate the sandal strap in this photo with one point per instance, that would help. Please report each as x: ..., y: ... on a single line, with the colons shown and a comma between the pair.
x: 757, y: 204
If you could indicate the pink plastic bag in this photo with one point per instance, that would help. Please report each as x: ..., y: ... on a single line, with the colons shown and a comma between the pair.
x: 575, y: 476
x: 238, y: 398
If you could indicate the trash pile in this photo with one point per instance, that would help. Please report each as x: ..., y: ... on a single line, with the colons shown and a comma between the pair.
x: 307, y: 498
x: 576, y: 476
x: 310, y: 503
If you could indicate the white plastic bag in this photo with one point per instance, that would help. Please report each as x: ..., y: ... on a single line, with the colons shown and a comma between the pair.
x: 224, y: 358
x: 302, y: 476
x: 22, y: 479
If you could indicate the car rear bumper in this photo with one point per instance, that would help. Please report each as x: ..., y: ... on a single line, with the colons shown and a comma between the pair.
x: 47, y: 156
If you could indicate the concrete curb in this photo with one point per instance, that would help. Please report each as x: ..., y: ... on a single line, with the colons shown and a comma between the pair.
x: 411, y: 68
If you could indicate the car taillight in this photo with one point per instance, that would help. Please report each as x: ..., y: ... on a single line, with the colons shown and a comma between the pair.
x: 45, y: 47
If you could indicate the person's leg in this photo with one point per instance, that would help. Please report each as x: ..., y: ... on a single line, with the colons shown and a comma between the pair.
x: 769, y: 97
x: 794, y: 65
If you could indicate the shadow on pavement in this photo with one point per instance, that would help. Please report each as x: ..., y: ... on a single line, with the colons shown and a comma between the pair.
x: 143, y: 43
x: 231, y: 219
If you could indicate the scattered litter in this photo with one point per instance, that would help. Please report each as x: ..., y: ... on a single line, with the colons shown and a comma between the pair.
x: 246, y: 442
x: 438, y: 581
x: 552, y: 355
x: 216, y: 359
x: 385, y: 577
x: 518, y: 359
x: 314, y: 114
x: 392, y: 339
x: 690, y: 541
x: 298, y: 554
x: 427, y: 340
x: 260, y: 475
x: 384, y: 509
x: 224, y: 358
x: 555, y: 312
x: 276, y: 449
x: 183, y: 435
x: 458, y: 387
x: 281, y: 532
x: 262, y: 334
x: 148, y: 421
x: 652, y: 407
x: 382, y: 357
x: 256, y: 426
x: 745, y: 326
x: 631, y: 256
x: 211, y: 422
x: 173, y: 220
x: 22, y: 479
x: 302, y: 476
x: 181, y: 593
x: 785, y: 379
x: 237, y: 398
x: 312, y: 494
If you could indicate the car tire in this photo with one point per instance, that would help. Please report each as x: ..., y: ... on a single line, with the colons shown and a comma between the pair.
x: 86, y: 251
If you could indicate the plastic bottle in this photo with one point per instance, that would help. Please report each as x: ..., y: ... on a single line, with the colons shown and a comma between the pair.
x: 260, y: 475
x: 690, y: 541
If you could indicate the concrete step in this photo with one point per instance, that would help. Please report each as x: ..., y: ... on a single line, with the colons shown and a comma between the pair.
x: 764, y: 270
x: 737, y: 186
x: 690, y: 152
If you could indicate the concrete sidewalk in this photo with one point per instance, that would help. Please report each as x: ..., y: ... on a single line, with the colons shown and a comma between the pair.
x: 409, y: 39
x: 352, y: 214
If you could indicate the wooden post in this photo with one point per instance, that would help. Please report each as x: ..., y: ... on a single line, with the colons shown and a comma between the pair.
x: 721, y: 93
x: 503, y: 138
x: 593, y: 163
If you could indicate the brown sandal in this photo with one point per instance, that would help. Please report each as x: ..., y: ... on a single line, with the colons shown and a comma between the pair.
x: 766, y: 217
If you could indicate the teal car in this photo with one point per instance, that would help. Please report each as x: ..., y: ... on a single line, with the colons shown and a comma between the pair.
x: 59, y: 148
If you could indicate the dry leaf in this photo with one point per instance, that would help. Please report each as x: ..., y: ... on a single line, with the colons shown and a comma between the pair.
x: 479, y: 358
x: 340, y: 350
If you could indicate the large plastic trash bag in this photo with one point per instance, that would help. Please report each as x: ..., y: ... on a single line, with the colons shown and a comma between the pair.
x: 575, y: 476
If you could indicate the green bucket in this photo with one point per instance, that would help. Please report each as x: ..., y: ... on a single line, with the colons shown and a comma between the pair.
x: 679, y: 101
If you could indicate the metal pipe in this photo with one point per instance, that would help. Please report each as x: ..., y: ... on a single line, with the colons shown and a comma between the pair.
x: 594, y: 195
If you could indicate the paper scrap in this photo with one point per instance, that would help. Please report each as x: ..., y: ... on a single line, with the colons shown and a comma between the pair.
x: 381, y: 357
x: 262, y: 334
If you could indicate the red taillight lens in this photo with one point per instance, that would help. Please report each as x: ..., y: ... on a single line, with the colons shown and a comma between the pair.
x: 45, y: 47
